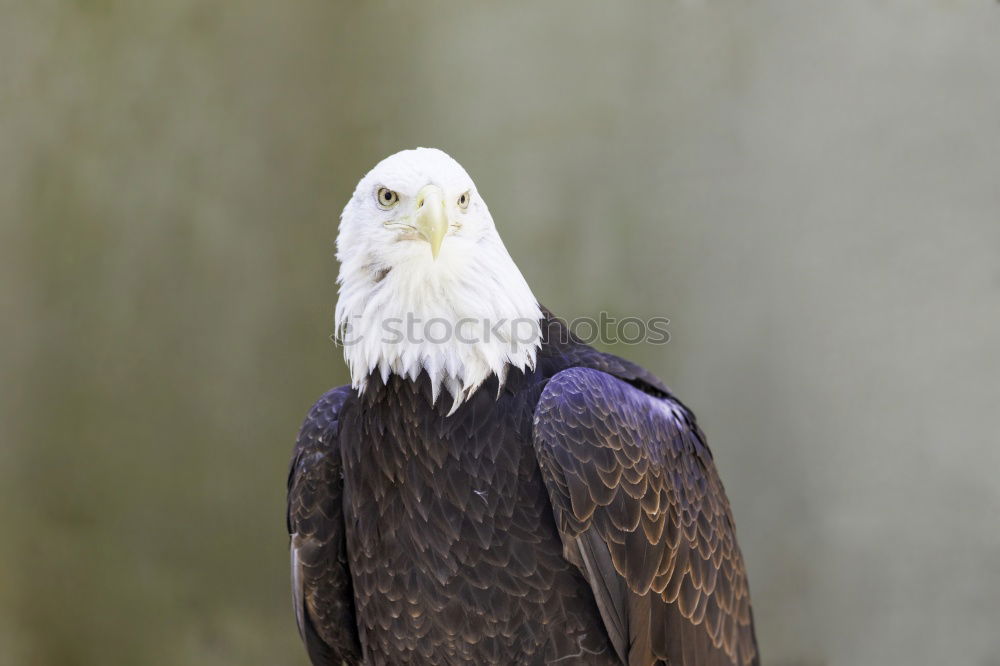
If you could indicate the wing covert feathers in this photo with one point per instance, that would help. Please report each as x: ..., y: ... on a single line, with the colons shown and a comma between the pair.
x: 635, y: 490
x: 321, y: 582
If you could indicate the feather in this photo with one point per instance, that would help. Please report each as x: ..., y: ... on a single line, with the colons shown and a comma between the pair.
x: 661, y: 478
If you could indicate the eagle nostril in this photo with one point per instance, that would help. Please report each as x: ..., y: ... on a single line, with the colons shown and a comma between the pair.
x: 420, y: 202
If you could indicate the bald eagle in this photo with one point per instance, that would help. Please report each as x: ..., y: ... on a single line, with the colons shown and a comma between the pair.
x: 479, y: 495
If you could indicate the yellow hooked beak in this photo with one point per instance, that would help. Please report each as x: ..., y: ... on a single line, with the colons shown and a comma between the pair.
x: 432, y: 220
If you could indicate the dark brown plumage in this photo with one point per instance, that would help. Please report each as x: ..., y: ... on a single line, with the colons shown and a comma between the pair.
x: 575, y: 519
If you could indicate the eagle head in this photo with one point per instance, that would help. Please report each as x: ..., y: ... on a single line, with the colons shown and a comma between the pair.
x: 425, y: 284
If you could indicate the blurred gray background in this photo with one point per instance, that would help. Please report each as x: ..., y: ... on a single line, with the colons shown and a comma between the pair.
x: 810, y: 191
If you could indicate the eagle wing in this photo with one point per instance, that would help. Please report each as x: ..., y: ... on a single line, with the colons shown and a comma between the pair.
x: 643, y: 514
x: 321, y: 582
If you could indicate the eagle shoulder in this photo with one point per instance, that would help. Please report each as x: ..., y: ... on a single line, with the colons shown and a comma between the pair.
x: 643, y: 514
x: 321, y: 582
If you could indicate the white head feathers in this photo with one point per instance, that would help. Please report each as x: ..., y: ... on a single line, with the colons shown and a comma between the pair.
x: 461, y: 316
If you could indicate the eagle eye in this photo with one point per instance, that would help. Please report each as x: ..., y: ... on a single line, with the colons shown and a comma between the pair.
x: 463, y: 200
x: 386, y: 198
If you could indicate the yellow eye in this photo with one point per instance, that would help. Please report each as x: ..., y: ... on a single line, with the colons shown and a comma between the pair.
x: 463, y: 201
x: 386, y: 198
